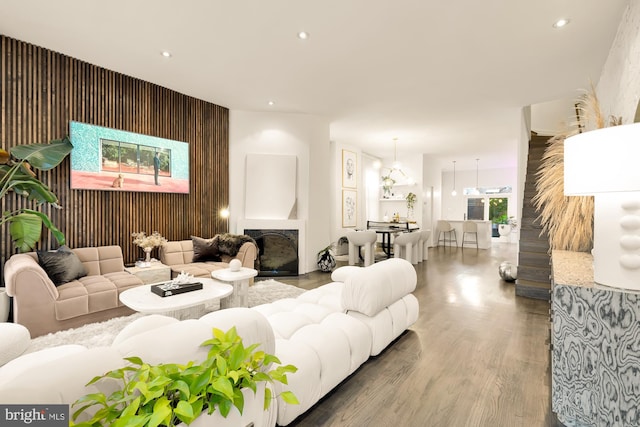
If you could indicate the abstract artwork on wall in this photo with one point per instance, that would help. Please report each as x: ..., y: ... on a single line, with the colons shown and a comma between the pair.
x: 349, y: 208
x: 116, y: 160
x: 349, y: 170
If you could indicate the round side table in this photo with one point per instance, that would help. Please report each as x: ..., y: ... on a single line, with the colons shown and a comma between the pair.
x: 240, y: 282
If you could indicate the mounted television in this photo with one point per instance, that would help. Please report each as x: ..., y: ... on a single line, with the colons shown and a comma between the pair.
x: 116, y: 160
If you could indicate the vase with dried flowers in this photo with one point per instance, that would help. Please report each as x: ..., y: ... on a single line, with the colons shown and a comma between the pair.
x: 147, y: 243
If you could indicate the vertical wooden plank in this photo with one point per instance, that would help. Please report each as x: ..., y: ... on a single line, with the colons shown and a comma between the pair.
x: 41, y: 91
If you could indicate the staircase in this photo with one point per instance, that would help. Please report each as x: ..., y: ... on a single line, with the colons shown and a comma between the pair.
x: 534, y: 269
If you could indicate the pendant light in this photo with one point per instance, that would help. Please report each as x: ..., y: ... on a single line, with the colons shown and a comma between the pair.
x: 454, y: 192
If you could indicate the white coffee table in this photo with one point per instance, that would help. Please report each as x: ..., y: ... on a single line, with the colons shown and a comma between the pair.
x: 181, y: 306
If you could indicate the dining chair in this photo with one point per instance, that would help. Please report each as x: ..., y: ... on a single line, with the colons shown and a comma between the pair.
x: 404, y: 246
x: 365, y: 240
x: 423, y: 245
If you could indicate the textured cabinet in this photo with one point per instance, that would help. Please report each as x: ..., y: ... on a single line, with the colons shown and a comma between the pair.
x: 595, y: 358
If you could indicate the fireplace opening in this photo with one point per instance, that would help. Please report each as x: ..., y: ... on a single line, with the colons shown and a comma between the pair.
x: 278, y: 251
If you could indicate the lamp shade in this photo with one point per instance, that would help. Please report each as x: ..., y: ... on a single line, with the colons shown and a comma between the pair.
x: 602, y: 161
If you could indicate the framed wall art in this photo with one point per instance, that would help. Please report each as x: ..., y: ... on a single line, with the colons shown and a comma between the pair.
x: 349, y: 169
x: 116, y: 160
x: 349, y: 208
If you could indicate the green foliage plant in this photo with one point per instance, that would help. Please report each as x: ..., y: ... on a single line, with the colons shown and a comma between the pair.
x: 17, y: 175
x: 168, y: 394
x: 411, y: 200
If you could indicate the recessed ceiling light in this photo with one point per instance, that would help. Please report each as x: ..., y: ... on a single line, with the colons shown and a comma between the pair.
x: 166, y: 54
x: 560, y: 23
x: 303, y: 35
x: 271, y: 103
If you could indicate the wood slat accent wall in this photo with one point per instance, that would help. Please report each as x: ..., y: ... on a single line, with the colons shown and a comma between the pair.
x: 42, y: 91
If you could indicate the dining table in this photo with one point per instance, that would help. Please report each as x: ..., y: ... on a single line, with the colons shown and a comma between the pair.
x: 387, y: 228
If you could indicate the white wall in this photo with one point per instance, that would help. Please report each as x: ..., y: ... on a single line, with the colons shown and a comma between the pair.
x: 454, y: 207
x: 619, y: 86
x: 306, y: 137
x: 431, y: 182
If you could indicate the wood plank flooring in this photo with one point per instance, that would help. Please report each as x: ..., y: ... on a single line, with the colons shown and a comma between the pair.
x: 477, y: 356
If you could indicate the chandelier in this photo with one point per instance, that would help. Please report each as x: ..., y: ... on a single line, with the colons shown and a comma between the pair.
x: 390, y: 174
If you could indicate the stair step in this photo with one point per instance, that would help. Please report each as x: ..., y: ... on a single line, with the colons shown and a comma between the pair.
x: 534, y: 246
x: 533, y: 289
x: 536, y: 274
x: 534, y: 259
x: 531, y: 234
x: 530, y: 221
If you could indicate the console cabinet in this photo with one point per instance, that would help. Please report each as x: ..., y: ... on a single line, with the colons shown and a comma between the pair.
x: 595, y: 356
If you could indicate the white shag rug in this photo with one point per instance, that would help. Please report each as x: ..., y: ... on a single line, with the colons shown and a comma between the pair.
x: 102, y: 333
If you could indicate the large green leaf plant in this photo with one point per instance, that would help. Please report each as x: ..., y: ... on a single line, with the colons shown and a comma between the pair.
x: 170, y: 394
x: 17, y: 175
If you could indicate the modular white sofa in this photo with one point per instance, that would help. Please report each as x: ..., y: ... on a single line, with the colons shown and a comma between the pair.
x: 327, y: 333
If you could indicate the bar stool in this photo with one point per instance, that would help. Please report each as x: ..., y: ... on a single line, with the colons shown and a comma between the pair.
x: 364, y: 239
x: 443, y: 228
x: 469, y: 227
x: 405, y: 245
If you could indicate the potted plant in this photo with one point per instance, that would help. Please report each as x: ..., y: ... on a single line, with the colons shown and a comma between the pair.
x: 326, y: 260
x: 504, y: 229
x: 17, y: 175
x: 411, y: 201
x: 171, y: 394
x: 387, y: 185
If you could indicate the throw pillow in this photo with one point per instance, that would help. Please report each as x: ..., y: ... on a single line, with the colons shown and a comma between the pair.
x: 62, y: 266
x: 205, y: 249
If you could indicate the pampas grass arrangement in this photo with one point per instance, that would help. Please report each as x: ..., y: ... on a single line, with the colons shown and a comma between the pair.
x: 567, y: 220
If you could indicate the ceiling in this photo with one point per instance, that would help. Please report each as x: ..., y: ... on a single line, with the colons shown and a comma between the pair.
x: 448, y: 78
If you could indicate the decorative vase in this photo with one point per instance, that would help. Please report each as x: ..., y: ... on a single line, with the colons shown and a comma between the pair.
x: 326, y: 261
x: 410, y: 213
x: 504, y: 229
x: 147, y: 253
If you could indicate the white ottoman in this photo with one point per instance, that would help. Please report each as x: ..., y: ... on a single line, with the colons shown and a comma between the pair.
x: 14, y: 340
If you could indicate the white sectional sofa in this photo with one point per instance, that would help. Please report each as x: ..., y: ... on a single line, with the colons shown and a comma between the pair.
x: 327, y: 333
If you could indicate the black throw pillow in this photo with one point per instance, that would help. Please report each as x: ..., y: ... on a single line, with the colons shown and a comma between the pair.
x: 205, y: 249
x: 61, y: 266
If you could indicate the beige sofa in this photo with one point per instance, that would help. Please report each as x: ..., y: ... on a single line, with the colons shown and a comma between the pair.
x: 179, y: 256
x: 42, y: 307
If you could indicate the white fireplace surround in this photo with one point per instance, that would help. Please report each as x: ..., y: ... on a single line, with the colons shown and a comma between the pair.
x: 279, y: 224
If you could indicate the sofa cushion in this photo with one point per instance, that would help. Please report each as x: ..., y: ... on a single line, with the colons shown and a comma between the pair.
x: 17, y: 367
x: 341, y: 274
x: 61, y: 266
x: 197, y: 269
x: 14, y: 340
x: 205, y: 249
x: 377, y: 286
x: 101, y: 259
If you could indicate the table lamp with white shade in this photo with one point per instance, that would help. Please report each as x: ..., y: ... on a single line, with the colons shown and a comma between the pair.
x: 605, y: 163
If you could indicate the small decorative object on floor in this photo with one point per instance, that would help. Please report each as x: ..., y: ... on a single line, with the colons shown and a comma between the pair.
x: 326, y: 261
x: 508, y: 271
x: 147, y: 243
